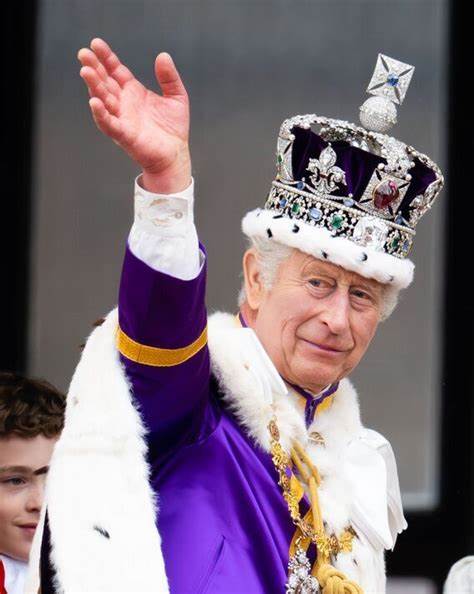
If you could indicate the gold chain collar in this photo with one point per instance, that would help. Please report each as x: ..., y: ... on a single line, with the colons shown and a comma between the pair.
x: 327, y: 545
x: 329, y: 578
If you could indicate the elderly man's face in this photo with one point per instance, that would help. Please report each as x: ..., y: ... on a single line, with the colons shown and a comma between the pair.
x: 316, y: 321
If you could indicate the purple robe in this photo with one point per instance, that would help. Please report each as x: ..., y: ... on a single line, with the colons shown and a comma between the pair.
x: 224, y: 524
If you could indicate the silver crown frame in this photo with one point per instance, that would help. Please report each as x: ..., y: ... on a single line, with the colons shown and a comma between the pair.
x: 368, y: 222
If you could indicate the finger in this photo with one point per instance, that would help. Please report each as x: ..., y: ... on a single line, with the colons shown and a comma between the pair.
x: 87, y: 58
x: 168, y: 76
x: 97, y: 88
x: 110, y: 61
x: 107, y: 123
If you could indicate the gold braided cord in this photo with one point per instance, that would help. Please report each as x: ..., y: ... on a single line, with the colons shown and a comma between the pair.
x: 298, y: 448
x: 310, y: 529
x: 333, y: 581
x: 156, y: 357
x: 301, y: 469
x: 317, y: 520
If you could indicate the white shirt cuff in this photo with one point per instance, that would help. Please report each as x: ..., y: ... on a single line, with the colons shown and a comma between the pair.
x: 164, y: 214
x: 163, y: 234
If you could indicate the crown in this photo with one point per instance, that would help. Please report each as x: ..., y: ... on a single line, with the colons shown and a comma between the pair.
x: 355, y: 182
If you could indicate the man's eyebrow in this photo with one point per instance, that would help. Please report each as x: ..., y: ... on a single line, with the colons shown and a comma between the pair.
x: 42, y: 470
x: 372, y: 290
x: 23, y: 469
x: 5, y: 469
x: 318, y: 268
x: 366, y: 284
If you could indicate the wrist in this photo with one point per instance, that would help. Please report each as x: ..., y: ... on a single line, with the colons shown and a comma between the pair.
x: 175, y: 178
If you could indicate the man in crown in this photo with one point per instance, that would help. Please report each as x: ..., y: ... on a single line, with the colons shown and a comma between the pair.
x: 229, y: 456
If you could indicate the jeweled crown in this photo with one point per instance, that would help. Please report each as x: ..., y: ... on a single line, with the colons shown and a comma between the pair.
x: 356, y: 181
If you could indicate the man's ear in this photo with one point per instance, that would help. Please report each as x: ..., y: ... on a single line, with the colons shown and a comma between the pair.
x: 254, y: 286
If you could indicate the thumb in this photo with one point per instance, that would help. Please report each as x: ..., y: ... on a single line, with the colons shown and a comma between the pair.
x: 168, y: 77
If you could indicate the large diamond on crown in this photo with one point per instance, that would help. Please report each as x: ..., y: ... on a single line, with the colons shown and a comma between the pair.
x: 371, y: 232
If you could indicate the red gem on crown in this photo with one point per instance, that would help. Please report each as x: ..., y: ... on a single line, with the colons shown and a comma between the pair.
x: 385, y: 193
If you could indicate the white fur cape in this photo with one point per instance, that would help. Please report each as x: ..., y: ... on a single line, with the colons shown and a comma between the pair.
x: 100, y: 505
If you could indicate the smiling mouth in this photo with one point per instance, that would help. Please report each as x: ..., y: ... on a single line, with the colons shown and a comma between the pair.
x: 28, y: 527
x: 323, y: 347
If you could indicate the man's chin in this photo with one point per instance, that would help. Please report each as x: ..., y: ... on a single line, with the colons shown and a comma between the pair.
x: 315, y: 378
x: 19, y: 554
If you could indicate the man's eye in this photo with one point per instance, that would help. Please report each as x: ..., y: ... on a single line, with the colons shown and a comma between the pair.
x: 319, y: 283
x: 361, y: 294
x: 15, y: 481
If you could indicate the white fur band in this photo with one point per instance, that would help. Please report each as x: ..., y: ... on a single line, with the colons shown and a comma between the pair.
x: 319, y: 242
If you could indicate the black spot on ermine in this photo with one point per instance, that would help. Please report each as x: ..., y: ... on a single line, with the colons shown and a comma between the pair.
x: 102, y: 531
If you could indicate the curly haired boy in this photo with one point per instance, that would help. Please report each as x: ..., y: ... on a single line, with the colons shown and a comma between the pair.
x: 31, y: 420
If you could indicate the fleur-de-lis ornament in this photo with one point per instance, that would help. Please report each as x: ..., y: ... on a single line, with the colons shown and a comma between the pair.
x: 326, y: 174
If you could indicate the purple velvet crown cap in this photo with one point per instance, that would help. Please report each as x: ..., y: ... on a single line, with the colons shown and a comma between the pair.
x: 358, y: 165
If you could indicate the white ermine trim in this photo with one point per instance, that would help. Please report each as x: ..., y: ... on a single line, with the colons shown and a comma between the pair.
x: 100, y: 505
x: 317, y: 241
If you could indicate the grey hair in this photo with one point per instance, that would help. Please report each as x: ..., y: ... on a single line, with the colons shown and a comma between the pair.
x: 271, y: 253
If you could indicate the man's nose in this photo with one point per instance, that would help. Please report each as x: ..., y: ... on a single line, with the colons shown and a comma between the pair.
x: 35, y: 497
x: 336, y: 313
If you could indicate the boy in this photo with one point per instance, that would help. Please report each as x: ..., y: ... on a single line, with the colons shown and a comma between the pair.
x: 31, y: 420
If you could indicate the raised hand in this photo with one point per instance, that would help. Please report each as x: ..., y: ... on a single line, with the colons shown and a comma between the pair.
x: 152, y: 129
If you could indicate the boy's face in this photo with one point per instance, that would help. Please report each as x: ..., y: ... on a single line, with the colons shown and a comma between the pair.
x: 23, y: 467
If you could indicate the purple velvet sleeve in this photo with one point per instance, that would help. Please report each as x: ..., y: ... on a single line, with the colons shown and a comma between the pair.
x: 161, y: 311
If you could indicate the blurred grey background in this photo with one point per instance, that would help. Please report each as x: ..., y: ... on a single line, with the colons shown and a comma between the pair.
x: 247, y: 66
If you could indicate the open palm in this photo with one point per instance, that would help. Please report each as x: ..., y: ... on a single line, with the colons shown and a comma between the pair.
x: 153, y: 129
